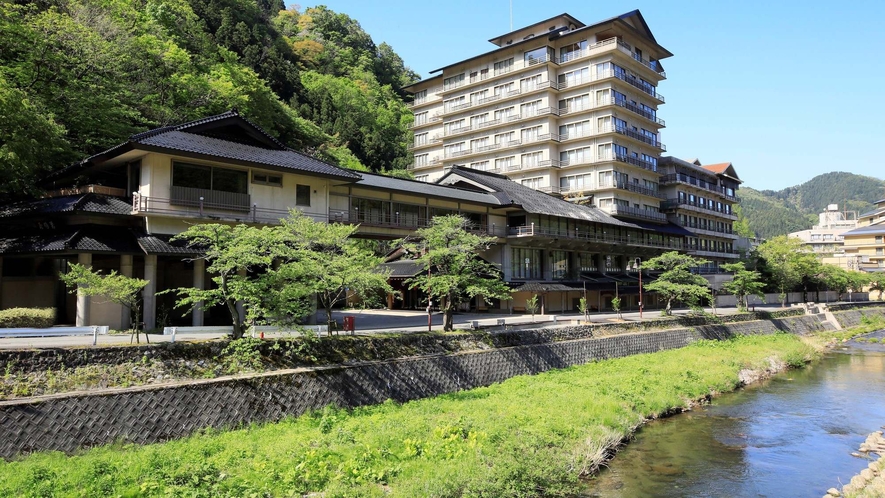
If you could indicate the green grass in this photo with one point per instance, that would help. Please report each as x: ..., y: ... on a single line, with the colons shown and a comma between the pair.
x: 527, y: 436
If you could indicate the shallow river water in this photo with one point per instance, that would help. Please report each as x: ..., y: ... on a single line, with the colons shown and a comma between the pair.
x: 790, y: 436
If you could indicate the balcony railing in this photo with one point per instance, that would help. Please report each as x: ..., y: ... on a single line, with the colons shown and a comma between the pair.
x: 195, y: 197
x: 398, y: 221
x: 142, y: 204
x: 623, y: 130
x: 690, y: 180
x: 427, y: 164
x: 634, y: 161
x: 633, y: 212
x: 639, y: 189
x: 707, y: 228
x: 547, y: 163
x: 636, y: 240
x: 611, y: 73
x: 671, y: 204
x: 638, y: 110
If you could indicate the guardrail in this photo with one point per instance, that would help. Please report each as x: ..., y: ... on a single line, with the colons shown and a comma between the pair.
x: 254, y: 331
x: 93, y: 330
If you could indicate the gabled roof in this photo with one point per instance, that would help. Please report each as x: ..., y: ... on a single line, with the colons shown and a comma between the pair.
x: 878, y: 228
x: 227, y: 136
x: 724, y: 169
x: 565, y: 15
x: 425, y: 189
x: 530, y: 200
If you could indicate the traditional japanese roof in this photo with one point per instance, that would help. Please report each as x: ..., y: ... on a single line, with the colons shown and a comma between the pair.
x: 669, y: 228
x: 530, y: 200
x: 85, y: 238
x: 77, y: 203
x: 404, y: 268
x: 426, y: 189
x: 876, y: 229
x: 226, y: 136
x: 544, y: 287
x: 163, y: 245
x: 724, y: 169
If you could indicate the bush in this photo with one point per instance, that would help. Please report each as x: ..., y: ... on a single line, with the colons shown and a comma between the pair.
x: 27, y: 317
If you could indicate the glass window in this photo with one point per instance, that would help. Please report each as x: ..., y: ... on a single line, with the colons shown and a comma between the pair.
x: 504, y: 66
x: 559, y: 264
x: 525, y: 263
x: 192, y: 176
x: 572, y: 51
x: 534, y: 183
x: 267, y: 179
x: 574, y: 130
x: 453, y: 81
x: 529, y: 108
x: 302, y: 195
x: 529, y: 84
x: 530, y: 134
x: 532, y: 160
x: 535, y: 56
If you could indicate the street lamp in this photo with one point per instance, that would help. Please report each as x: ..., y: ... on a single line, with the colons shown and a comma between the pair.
x: 637, y: 265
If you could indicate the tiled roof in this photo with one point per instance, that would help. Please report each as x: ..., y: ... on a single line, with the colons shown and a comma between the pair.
x: 161, y: 244
x: 86, y: 238
x: 669, y: 228
x: 872, y: 213
x: 180, y: 141
x: 544, y: 287
x: 403, y: 268
x: 878, y: 228
x: 533, y: 201
x: 428, y: 189
x: 716, y: 168
x: 83, y: 203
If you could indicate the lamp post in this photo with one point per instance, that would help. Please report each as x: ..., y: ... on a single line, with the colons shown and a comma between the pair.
x: 637, y: 264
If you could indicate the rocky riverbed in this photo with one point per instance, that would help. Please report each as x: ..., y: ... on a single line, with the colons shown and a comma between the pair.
x: 870, y: 482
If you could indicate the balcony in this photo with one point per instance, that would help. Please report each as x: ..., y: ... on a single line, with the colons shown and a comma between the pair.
x: 632, y: 212
x: 472, y: 151
x: 710, y: 253
x: 547, y: 163
x: 588, y: 236
x: 635, y: 135
x: 522, y: 91
x: 674, y: 204
x: 633, y: 161
x: 436, y: 140
x: 388, y: 220
x: 211, y: 209
x: 428, y: 164
x: 640, y: 111
x: 710, y: 231
x: 639, y: 189
x: 494, y: 74
x: 436, y: 118
x: 426, y: 100
x: 611, y: 73
x: 701, y: 184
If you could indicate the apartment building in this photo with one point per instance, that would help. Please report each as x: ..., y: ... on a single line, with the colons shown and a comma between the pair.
x: 559, y: 106
x: 701, y: 199
x: 827, y: 237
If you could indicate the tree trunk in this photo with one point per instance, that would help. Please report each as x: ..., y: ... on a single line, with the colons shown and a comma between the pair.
x: 668, y: 311
x: 448, y: 319
x: 329, y: 320
x: 235, y: 316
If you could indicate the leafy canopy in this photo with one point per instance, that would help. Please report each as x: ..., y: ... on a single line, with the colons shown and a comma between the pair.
x: 677, y: 282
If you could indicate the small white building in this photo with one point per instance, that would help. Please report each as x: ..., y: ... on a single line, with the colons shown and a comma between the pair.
x: 826, y: 238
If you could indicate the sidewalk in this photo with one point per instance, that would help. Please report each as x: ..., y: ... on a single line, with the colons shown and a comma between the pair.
x: 367, y: 322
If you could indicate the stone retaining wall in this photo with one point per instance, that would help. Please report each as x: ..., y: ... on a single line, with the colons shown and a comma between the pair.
x: 853, y: 318
x: 155, y: 413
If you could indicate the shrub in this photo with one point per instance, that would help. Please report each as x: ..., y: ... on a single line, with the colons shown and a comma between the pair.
x: 27, y: 317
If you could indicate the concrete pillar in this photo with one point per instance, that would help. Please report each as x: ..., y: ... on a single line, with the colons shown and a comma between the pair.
x: 199, y: 282
x: 83, y: 301
x: 126, y: 271
x: 150, y: 291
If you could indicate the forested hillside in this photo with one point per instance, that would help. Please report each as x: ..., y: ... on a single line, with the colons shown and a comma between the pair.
x: 78, y: 76
x: 772, y: 213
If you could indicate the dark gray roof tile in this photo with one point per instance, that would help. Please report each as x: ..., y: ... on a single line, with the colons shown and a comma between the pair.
x: 84, y: 203
x: 428, y: 189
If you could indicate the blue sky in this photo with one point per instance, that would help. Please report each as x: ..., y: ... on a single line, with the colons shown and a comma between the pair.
x: 785, y: 90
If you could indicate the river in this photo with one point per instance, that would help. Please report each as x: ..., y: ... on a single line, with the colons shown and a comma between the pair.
x: 792, y: 435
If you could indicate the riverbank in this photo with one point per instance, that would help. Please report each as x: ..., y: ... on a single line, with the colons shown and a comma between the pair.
x: 527, y: 436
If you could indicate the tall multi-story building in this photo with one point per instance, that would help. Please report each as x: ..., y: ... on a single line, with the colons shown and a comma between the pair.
x: 865, y: 245
x: 559, y: 106
x: 701, y: 199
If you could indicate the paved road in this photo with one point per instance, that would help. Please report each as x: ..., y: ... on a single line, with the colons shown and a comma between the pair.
x: 366, y: 321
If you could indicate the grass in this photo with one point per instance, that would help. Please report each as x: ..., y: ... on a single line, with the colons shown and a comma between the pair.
x: 527, y: 436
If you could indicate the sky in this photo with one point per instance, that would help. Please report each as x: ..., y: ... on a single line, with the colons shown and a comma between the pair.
x: 783, y: 89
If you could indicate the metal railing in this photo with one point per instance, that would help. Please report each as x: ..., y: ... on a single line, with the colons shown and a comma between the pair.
x: 639, y: 189
x: 382, y: 219
x: 677, y: 203
x: 187, y: 196
x: 623, y: 130
x: 637, y: 240
x: 142, y: 204
x: 650, y: 166
x: 634, y: 212
x: 695, y: 182
x: 708, y: 228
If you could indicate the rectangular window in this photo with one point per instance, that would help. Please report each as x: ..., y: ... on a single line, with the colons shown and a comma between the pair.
x: 878, y: 239
x: 530, y: 134
x: 453, y: 126
x: 529, y: 109
x: 478, y: 120
x: 451, y: 104
x: 575, y: 182
x: 475, y: 97
x: 529, y: 84
x: 420, y: 139
x: 452, y: 149
x: 302, y: 195
x: 421, y: 160
x: 575, y: 156
x: 503, y: 114
x: 420, y: 97
x: 574, y: 130
x: 534, y: 183
x: 504, y: 66
x: 559, y: 264
x: 572, y: 51
x: 478, y: 143
x: 573, y: 104
x: 606, y: 179
x: 420, y: 118
x: 532, y: 160
x: 604, y: 124
x: 619, y: 150
x: 505, y: 139
x: 536, y: 56
x: 504, y: 89
x: 504, y: 163
x: 453, y: 81
x: 480, y: 165
x: 603, y: 97
x: 209, y: 178
x: 267, y: 179
x: 572, y: 78
x: 603, y: 151
x: 525, y: 263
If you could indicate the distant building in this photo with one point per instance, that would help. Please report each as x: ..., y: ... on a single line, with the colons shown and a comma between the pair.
x: 864, y: 246
x: 826, y: 238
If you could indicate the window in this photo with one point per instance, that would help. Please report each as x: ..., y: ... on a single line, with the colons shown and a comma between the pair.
x: 503, y: 114
x: 620, y: 124
x: 525, y: 263
x: 209, y: 178
x: 602, y: 97
x: 529, y: 84
x: 267, y: 179
x: 451, y: 104
x: 575, y: 182
x: 453, y: 81
x: 302, y: 195
x: 604, y: 124
x: 420, y: 160
x: 572, y: 51
x: 878, y: 239
x: 504, y: 163
x: 453, y: 126
x: 477, y: 121
x: 653, y: 186
x: 606, y: 178
x: 504, y: 66
x: 529, y: 109
x: 575, y: 156
x: 504, y: 139
x: 574, y: 130
x: 604, y: 203
x: 421, y: 178
x: 573, y: 78
x: 620, y: 151
x: 536, y: 56
x: 530, y: 134
x: 603, y: 151
x: 651, y: 161
x: 828, y: 237
x: 476, y: 97
x: 451, y: 149
x: 574, y: 103
x: 534, y: 183
x: 622, y: 202
x: 532, y: 160
x: 559, y: 264
x: 420, y: 97
x: 504, y: 89
x: 586, y: 261
x: 420, y: 139
x: 420, y: 118
x: 480, y: 165
x: 476, y: 144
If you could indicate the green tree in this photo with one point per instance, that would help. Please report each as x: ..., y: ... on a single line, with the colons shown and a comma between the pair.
x: 453, y: 271
x: 787, y: 261
x: 324, y: 259
x: 115, y: 288
x: 584, y: 308
x: 741, y: 227
x: 744, y: 283
x: 531, y: 305
x: 677, y: 282
x: 616, y: 305
x: 231, y: 254
x: 877, y: 283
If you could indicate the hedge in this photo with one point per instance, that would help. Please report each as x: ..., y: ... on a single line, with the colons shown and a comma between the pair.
x: 27, y: 317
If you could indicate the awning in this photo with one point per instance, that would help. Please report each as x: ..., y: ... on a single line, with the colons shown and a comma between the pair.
x: 669, y: 228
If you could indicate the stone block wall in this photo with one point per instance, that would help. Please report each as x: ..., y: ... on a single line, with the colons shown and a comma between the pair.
x: 853, y: 318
